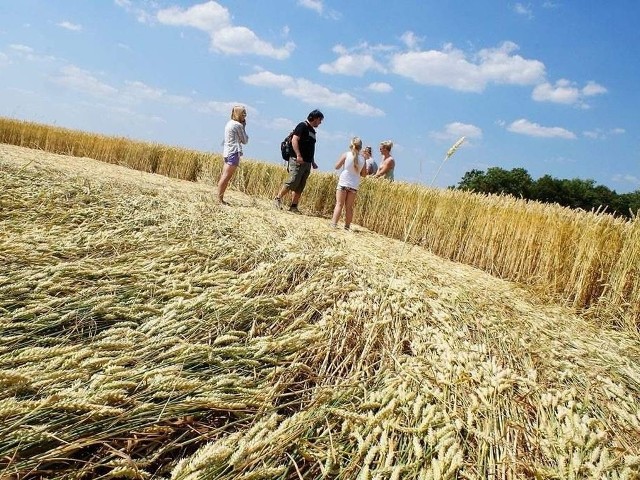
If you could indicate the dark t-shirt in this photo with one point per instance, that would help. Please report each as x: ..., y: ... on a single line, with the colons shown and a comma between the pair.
x: 307, y: 141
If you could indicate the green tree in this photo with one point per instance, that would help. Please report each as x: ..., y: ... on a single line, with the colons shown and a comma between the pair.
x: 572, y: 193
x: 499, y: 181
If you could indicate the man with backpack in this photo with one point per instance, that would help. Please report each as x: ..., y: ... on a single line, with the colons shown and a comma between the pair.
x: 303, y: 143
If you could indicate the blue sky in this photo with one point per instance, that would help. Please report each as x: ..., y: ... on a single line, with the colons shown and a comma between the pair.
x: 550, y: 86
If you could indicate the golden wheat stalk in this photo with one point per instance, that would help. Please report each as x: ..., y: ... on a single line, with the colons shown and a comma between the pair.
x: 449, y: 154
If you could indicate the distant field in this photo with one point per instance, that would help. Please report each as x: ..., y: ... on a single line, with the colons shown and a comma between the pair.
x: 146, y: 332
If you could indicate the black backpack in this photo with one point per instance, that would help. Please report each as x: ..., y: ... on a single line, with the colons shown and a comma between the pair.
x: 286, y: 149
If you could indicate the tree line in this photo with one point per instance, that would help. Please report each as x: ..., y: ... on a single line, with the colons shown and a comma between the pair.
x: 573, y: 193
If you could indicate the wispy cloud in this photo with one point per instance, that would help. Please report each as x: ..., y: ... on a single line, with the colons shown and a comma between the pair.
x: 455, y: 130
x: 315, y: 5
x: 4, y: 60
x: 28, y: 53
x: 215, y: 20
x: 122, y: 98
x: 379, y: 87
x: 566, y: 92
x: 70, y: 26
x: 82, y: 81
x: 600, y: 134
x: 353, y: 64
x: 525, y: 127
x: 140, y: 91
x: 216, y: 107
x: 524, y: 10
x: 311, y: 93
x: 21, y: 48
x: 141, y: 14
x: 626, y: 178
x: 411, y: 40
x: 319, y: 7
x: 592, y: 88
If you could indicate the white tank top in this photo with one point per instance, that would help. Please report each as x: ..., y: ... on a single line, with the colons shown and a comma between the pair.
x: 349, y: 177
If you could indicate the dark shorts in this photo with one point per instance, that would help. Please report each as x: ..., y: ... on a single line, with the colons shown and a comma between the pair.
x: 298, y: 175
x: 233, y: 159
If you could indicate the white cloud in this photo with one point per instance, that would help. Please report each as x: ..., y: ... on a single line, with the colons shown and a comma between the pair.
x: 626, y: 178
x: 207, y: 17
x: 215, y: 20
x: 281, y: 124
x: 4, y: 60
x: 566, y: 92
x: 592, y: 88
x: 139, y: 91
x: 354, y: 65
x: 594, y: 134
x: 525, y: 127
x: 410, y: 40
x: 141, y: 14
x: 525, y: 10
x: 315, y: 5
x: 600, y: 134
x: 318, y: 6
x: 29, y: 53
x: 21, y: 48
x: 80, y: 80
x: 311, y: 93
x: 499, y: 65
x: 562, y: 92
x: 70, y: 26
x: 455, y: 130
x: 380, y: 87
x: 217, y: 107
x: 451, y: 68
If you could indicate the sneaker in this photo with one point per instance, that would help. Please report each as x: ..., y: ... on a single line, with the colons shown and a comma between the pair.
x: 333, y: 225
x: 295, y: 210
x: 277, y: 203
x: 347, y: 227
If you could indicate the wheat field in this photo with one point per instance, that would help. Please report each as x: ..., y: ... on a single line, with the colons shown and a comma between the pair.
x: 586, y: 260
x: 149, y: 333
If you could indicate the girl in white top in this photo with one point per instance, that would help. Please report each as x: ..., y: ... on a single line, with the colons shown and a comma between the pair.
x: 234, y: 136
x: 353, y: 167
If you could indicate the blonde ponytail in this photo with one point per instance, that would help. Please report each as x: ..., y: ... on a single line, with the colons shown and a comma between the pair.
x: 355, y: 147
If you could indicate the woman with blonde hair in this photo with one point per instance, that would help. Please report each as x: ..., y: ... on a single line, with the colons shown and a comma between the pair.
x: 234, y: 136
x: 353, y: 167
x: 388, y: 164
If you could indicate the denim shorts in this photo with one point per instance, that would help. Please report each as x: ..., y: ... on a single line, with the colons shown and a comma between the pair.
x: 233, y: 159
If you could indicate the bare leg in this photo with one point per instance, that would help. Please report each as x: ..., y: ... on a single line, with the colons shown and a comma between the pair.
x: 349, y: 202
x: 283, y: 191
x: 337, y: 211
x: 225, y: 178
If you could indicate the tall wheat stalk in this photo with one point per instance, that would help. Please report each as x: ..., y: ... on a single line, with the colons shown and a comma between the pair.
x: 449, y: 154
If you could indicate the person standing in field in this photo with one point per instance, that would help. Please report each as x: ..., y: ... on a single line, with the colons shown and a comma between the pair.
x: 372, y: 166
x: 388, y: 164
x: 303, y: 143
x: 235, y: 135
x: 353, y: 168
